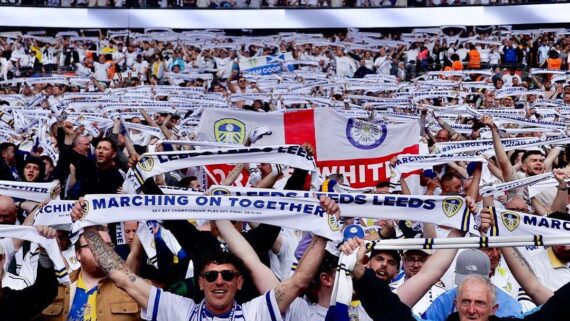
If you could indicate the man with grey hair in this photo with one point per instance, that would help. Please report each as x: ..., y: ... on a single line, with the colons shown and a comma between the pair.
x: 470, y: 262
x: 475, y: 298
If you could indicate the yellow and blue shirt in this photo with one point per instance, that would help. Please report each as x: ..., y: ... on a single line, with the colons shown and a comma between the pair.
x: 84, y: 306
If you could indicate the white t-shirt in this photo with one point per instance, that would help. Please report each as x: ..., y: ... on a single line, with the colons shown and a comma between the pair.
x: 508, y: 79
x: 167, y: 306
x: 423, y: 304
x: 383, y: 65
x: 300, y: 309
x: 494, y: 57
x: 131, y: 58
x: 101, y: 70
x: 549, y: 270
x: 345, y: 66
x: 282, y: 262
x: 141, y: 68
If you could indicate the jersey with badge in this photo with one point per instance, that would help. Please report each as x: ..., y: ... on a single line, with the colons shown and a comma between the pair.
x: 165, y: 306
x: 84, y: 306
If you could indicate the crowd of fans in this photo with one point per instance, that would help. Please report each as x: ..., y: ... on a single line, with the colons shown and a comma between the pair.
x: 80, y: 110
x: 253, y: 4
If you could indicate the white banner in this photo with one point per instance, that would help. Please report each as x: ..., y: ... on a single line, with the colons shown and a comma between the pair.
x: 300, y: 214
x: 29, y: 191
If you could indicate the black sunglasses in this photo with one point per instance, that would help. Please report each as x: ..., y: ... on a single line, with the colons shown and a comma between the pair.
x: 227, y: 275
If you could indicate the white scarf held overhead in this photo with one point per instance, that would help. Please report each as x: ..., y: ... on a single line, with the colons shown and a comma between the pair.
x: 147, y: 238
x: 300, y: 214
x: 29, y: 191
x: 526, y: 181
x: 509, y: 223
x: 29, y: 233
x: 408, y: 163
x: 55, y: 213
x: 448, y: 211
x: 151, y: 164
x: 341, y: 297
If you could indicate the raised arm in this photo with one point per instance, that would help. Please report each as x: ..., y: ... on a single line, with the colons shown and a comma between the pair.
x: 506, y: 168
x: 552, y: 156
x: 452, y: 133
x: 115, y: 268
x: 561, y: 200
x: 378, y: 300
x: 290, y: 289
x: 473, y: 189
x: 525, y: 276
x: 414, y: 288
x: 262, y: 276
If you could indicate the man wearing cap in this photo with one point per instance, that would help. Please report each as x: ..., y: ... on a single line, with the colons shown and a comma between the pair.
x: 471, y: 262
x: 413, y: 262
x: 385, y: 264
x: 475, y: 296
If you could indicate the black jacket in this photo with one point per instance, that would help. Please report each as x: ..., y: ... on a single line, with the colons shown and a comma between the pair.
x: 382, y: 304
x: 25, y: 304
x: 378, y: 300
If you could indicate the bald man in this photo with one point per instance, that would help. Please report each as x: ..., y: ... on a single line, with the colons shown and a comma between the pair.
x: 8, y: 210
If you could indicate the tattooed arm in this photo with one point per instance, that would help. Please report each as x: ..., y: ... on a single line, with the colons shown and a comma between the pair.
x: 115, y: 267
x: 288, y: 290
x: 525, y: 276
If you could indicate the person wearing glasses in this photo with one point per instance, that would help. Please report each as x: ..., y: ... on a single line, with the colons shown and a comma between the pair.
x: 220, y: 277
x: 92, y: 295
x: 476, y: 299
x: 413, y: 262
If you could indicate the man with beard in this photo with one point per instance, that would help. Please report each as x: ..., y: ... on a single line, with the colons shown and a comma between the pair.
x: 533, y: 163
x: 385, y: 263
x: 93, y: 296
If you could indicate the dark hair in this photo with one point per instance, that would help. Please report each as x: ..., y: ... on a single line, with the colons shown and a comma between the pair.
x: 530, y: 153
x: 328, y: 265
x: 48, y: 159
x: 185, y: 181
x: 559, y: 216
x: 5, y: 146
x: 220, y: 258
x: 448, y: 177
x: 110, y: 141
x: 514, y: 155
x: 381, y: 184
x: 36, y: 161
x: 393, y: 253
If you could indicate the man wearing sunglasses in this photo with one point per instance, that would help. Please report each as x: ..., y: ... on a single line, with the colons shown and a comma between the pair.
x: 221, y: 276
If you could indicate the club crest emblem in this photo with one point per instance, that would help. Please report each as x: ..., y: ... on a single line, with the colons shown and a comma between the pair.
x: 333, y: 223
x: 452, y: 206
x: 511, y: 220
x: 365, y: 135
x: 53, y: 194
x: 220, y: 191
x: 146, y: 163
x: 85, y: 210
x: 229, y: 130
